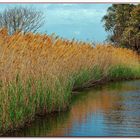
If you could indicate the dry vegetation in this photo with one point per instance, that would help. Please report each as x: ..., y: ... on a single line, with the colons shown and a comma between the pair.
x: 38, y: 73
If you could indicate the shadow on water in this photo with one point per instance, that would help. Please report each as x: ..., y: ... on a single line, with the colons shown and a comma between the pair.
x: 109, y: 110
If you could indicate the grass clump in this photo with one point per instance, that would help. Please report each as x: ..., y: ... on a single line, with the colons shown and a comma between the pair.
x: 120, y: 71
x: 87, y: 75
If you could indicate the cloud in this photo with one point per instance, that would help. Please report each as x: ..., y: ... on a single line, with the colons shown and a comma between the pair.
x: 74, y: 16
x: 81, y: 21
x: 66, y: 13
x: 76, y: 32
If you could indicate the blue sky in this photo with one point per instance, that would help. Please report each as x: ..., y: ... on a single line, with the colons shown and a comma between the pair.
x: 79, y: 21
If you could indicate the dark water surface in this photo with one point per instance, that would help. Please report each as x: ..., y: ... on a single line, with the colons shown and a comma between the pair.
x: 109, y: 110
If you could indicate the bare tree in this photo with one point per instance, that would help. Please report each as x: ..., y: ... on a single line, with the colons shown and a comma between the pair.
x: 21, y: 19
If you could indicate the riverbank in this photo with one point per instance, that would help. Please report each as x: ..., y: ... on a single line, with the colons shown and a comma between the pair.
x: 51, y: 114
x: 38, y: 73
x: 89, y: 84
x: 100, y: 82
x: 96, y: 108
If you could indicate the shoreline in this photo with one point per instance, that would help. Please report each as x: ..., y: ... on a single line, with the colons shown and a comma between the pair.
x: 75, y: 90
x: 102, y: 81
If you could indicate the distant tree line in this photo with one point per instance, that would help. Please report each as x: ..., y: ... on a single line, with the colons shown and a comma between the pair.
x: 122, y: 21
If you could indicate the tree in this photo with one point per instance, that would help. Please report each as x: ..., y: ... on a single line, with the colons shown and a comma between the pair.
x: 115, y: 21
x: 21, y: 19
x: 131, y: 34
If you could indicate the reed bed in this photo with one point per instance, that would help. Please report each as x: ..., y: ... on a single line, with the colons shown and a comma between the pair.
x: 38, y: 73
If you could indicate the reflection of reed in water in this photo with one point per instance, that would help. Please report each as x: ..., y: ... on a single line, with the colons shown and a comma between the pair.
x: 107, y: 100
x: 99, y: 100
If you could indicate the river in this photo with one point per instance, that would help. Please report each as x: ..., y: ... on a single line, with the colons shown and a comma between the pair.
x: 109, y: 110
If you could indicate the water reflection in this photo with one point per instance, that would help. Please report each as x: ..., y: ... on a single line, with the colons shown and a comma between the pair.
x: 111, y: 110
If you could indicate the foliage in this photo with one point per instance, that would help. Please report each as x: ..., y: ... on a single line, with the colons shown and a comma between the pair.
x: 122, y: 22
x: 131, y: 34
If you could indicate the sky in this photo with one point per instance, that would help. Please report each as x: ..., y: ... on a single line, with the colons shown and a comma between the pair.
x: 79, y: 21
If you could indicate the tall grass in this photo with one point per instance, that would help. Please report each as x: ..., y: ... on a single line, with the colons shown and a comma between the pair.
x: 38, y: 73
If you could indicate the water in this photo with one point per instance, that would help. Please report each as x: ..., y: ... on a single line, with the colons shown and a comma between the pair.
x: 110, y: 110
